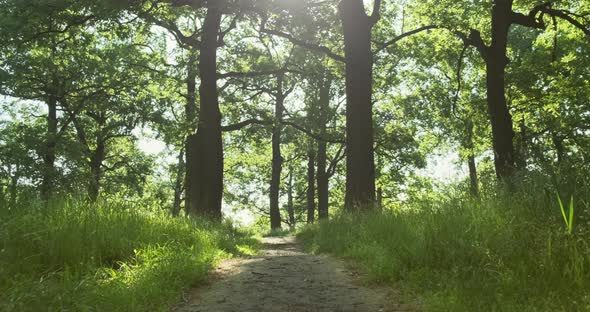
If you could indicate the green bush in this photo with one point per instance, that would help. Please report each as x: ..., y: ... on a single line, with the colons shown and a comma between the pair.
x: 78, y: 257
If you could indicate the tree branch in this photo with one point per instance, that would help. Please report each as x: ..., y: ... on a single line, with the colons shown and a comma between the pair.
x: 404, y: 35
x: 310, y: 133
x: 245, y: 123
x: 376, y: 14
x: 251, y: 74
x: 302, y: 43
x: 191, y: 41
x: 568, y: 16
x: 222, y: 34
x: 474, y: 39
x: 334, y: 162
x: 458, y: 90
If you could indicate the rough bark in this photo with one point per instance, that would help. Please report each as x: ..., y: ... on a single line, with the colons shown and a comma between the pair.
x: 178, y: 184
x: 205, y: 149
x: 277, y: 159
x: 500, y: 117
x: 189, y: 150
x: 360, y: 166
x: 311, y: 186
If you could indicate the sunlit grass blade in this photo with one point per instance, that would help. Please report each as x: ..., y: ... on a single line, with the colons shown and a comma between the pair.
x: 570, y: 223
x: 562, y: 209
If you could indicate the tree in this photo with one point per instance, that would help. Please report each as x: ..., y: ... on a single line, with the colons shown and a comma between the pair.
x: 503, y: 16
x: 36, y: 66
x: 357, y: 26
x: 204, y: 149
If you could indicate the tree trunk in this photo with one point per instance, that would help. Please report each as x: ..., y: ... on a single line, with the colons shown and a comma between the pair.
x: 473, y: 181
x: 496, y: 61
x: 522, y: 147
x: 190, y: 108
x: 290, y: 205
x: 360, y: 166
x: 14, y: 187
x: 187, y: 153
x: 277, y: 159
x: 311, y: 186
x: 559, y: 148
x: 48, y: 177
x: 322, y: 174
x: 322, y: 181
x: 205, y: 149
x: 96, y: 161
x: 178, y: 184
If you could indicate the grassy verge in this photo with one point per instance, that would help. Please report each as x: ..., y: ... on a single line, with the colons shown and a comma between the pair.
x: 106, y: 258
x: 503, y: 253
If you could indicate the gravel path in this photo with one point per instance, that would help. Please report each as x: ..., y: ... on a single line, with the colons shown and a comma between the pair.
x: 284, y: 278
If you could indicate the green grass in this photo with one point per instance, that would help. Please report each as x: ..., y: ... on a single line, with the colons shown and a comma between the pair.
x: 503, y: 253
x: 76, y: 257
x: 278, y: 232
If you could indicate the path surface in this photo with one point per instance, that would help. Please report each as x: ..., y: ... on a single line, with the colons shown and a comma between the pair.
x: 284, y: 278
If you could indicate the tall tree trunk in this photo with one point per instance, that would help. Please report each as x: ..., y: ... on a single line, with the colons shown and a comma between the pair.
x: 178, y: 184
x: 522, y: 147
x: 48, y: 156
x: 14, y: 187
x: 473, y: 181
x: 311, y: 185
x: 277, y: 159
x: 188, y: 152
x: 190, y: 107
x: 97, y: 155
x: 559, y: 148
x: 496, y: 61
x: 322, y: 158
x: 360, y: 165
x: 290, y: 205
x: 96, y: 161
x: 322, y: 181
x: 205, y: 149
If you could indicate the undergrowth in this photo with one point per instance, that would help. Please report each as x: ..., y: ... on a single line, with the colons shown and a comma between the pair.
x: 500, y: 253
x: 106, y: 257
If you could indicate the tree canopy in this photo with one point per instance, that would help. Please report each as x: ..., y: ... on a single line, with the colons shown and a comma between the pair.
x: 286, y: 108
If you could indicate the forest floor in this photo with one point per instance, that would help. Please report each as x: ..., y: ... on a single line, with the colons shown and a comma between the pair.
x: 284, y: 278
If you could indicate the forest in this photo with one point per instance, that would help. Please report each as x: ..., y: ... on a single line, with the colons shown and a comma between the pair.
x: 440, y: 148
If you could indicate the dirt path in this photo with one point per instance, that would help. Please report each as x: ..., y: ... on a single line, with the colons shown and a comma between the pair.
x: 284, y: 278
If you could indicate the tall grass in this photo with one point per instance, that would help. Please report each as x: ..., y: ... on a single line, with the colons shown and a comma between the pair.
x: 500, y: 253
x: 79, y: 257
